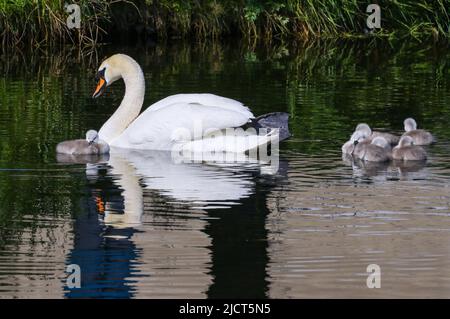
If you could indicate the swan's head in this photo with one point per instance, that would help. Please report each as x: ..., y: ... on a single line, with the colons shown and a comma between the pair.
x: 92, y: 136
x: 410, y: 124
x: 111, y: 70
x: 359, y: 136
x: 380, y: 141
x: 364, y: 128
x: 406, y: 141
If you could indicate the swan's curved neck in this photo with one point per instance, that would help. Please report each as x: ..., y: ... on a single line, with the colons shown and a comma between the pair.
x: 131, y: 104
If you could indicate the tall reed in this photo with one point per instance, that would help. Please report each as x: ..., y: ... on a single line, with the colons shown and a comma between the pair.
x: 37, y: 23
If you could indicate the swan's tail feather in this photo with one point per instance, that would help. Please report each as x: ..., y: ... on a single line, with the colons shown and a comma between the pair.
x: 277, y: 120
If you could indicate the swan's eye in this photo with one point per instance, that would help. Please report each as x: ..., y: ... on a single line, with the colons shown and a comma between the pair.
x: 100, y: 74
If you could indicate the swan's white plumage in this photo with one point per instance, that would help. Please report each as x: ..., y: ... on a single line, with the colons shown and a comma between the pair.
x: 182, y: 118
x: 203, y: 99
x: 234, y: 143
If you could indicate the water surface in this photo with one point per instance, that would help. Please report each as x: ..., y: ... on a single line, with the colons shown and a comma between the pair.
x: 143, y: 226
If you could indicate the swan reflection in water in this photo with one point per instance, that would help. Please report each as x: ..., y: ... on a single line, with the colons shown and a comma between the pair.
x: 169, y: 197
x: 197, y: 182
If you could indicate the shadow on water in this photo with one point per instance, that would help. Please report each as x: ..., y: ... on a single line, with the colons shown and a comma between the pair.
x: 239, y: 244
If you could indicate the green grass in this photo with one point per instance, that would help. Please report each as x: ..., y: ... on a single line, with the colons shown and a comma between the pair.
x: 43, y: 22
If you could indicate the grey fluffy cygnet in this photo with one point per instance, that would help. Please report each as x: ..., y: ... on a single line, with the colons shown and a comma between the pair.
x: 360, y: 135
x: 92, y: 145
x: 365, y: 135
x: 356, y: 144
x: 379, y: 150
x: 407, y: 151
x: 390, y: 138
x: 420, y: 137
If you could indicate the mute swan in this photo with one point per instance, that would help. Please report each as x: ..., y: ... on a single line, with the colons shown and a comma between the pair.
x: 348, y: 147
x: 364, y: 132
x: 390, y: 138
x: 89, y: 146
x: 377, y: 151
x: 406, y: 150
x: 420, y: 137
x: 360, y: 142
x: 190, y: 121
x: 359, y: 138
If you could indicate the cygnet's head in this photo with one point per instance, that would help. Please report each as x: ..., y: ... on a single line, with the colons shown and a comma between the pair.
x: 358, y: 136
x: 380, y: 141
x: 410, y: 124
x: 92, y: 136
x: 363, y: 127
x: 406, y: 141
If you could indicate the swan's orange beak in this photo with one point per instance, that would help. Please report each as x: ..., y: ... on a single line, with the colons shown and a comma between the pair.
x: 100, y: 205
x: 100, y: 88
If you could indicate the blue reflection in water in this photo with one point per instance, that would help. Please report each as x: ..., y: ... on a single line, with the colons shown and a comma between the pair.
x: 105, y: 255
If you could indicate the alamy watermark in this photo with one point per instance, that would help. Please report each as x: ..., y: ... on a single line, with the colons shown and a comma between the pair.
x: 374, y: 19
x: 374, y: 278
x: 74, y: 278
x: 74, y: 18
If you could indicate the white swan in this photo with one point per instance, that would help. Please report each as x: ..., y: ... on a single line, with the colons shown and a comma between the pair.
x: 193, y: 122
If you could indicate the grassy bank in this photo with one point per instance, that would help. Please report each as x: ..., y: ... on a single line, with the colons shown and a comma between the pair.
x: 43, y: 22
x: 34, y: 23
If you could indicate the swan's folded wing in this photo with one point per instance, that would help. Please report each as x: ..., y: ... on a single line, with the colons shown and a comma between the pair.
x: 202, y: 99
x: 161, y: 128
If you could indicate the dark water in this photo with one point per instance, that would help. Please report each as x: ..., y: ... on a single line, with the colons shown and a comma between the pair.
x: 141, y: 226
